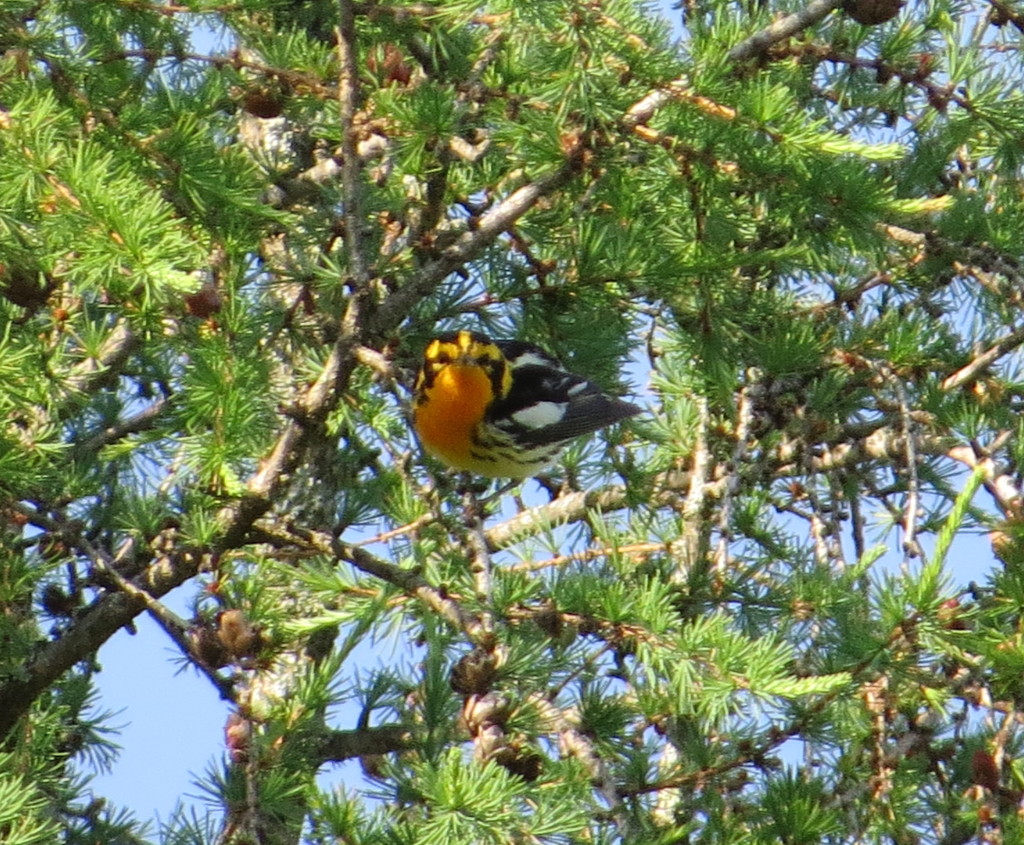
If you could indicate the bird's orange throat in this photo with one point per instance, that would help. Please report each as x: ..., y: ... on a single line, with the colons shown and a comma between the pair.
x: 456, y: 404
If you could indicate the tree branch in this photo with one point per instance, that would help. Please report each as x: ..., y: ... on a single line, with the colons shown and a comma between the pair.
x: 348, y: 101
x: 90, y: 630
x: 970, y: 372
x: 415, y: 585
x: 91, y: 373
x: 110, y: 612
x: 643, y: 110
x: 1000, y: 485
x: 782, y: 29
x: 338, y: 746
x: 144, y: 420
x: 408, y: 581
x: 568, y: 508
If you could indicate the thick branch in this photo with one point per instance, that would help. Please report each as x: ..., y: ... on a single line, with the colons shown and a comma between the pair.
x: 93, y: 627
x: 89, y: 632
x: 338, y: 746
x: 348, y: 100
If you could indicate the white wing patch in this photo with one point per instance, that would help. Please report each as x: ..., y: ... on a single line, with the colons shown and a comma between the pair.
x: 540, y: 414
x: 534, y: 359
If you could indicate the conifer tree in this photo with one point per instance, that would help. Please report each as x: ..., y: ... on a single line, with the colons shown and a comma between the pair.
x: 792, y: 232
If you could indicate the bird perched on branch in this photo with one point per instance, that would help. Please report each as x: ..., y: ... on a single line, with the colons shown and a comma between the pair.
x: 504, y: 408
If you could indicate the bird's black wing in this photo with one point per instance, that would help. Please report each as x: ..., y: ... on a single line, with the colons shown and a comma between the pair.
x: 548, y: 405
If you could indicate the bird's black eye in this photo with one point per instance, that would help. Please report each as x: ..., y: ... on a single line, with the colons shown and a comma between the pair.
x: 485, y: 360
x: 442, y: 358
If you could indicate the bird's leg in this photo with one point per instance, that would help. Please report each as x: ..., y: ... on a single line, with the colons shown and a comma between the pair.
x: 501, y: 491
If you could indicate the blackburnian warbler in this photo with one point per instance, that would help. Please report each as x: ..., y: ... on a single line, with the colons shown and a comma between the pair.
x: 503, y: 408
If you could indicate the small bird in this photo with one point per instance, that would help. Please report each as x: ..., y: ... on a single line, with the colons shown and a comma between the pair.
x: 503, y: 408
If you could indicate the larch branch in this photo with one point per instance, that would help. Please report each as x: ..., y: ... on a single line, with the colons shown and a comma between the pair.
x: 338, y: 746
x: 348, y: 101
x: 782, y: 29
x: 969, y: 372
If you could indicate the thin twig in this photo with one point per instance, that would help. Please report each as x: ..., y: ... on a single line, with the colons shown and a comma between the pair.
x: 575, y: 743
x: 697, y: 494
x: 375, y: 361
x: 416, y: 585
x: 408, y: 528
x: 479, y: 554
x: 173, y: 625
x: 818, y: 531
x: 87, y: 376
x: 744, y: 417
x: 410, y: 582
x: 640, y: 113
x: 911, y: 548
x: 1003, y: 487
x: 587, y: 555
x: 297, y: 80
x: 857, y: 523
x: 144, y: 420
x: 970, y: 372
x: 836, y: 521
x: 472, y: 243
x: 782, y: 29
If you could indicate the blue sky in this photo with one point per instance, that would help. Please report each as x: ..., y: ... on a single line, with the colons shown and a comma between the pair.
x: 171, y: 722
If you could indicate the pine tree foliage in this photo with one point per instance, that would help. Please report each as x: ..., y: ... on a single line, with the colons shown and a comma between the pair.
x: 227, y: 231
